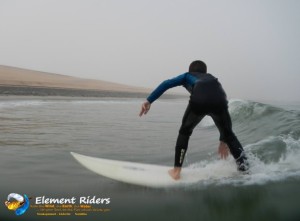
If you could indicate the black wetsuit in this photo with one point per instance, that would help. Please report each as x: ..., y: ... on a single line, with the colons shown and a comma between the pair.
x: 207, y: 98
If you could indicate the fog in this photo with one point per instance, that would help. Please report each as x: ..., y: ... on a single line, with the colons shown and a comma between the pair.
x: 252, y: 46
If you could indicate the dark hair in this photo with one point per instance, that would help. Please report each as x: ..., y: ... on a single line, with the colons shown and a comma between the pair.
x: 198, y: 66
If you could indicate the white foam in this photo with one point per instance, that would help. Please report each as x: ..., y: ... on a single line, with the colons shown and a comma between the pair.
x: 224, y: 171
x: 123, y: 101
x: 15, y: 104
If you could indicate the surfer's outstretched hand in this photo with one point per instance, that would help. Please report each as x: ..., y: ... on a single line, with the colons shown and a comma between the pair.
x: 223, y: 150
x: 145, y: 108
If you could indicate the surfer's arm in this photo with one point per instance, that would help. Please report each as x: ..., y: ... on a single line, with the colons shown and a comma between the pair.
x: 165, y: 85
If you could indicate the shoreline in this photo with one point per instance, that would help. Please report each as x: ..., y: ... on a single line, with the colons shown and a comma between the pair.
x: 34, y: 91
x: 23, y: 82
x: 20, y: 78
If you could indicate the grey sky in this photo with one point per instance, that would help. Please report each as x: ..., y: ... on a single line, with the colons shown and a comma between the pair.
x: 253, y: 47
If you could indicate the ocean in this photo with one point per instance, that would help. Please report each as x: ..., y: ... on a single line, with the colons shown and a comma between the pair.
x: 37, y: 135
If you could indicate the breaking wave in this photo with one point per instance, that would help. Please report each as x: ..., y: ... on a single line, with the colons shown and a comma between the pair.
x: 271, y: 138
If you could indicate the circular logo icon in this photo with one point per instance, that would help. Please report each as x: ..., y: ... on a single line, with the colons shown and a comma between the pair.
x: 17, y: 203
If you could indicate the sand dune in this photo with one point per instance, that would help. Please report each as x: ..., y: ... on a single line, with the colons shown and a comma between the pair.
x: 11, y: 76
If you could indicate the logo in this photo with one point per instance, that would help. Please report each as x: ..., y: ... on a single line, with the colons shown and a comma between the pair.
x: 17, y: 203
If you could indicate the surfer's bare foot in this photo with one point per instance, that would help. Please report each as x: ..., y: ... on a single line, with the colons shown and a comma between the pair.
x: 175, y: 173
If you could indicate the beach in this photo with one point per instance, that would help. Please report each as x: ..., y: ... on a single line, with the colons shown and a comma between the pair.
x: 23, y: 82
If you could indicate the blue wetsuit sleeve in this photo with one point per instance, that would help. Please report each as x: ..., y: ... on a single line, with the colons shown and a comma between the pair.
x: 165, y: 85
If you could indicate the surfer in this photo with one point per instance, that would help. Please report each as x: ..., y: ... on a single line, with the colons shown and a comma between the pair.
x: 207, y: 98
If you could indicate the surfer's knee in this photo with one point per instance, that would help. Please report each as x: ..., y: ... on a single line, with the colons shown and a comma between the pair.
x: 185, y: 131
x: 228, y: 138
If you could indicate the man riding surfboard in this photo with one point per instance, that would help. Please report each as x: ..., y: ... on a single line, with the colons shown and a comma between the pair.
x: 207, y: 98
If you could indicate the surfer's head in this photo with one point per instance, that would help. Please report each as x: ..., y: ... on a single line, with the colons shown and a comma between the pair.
x: 198, y: 66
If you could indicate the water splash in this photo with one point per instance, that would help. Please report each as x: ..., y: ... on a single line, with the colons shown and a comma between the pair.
x: 274, y: 165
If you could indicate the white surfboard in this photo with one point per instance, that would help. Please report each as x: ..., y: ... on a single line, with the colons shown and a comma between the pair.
x: 144, y: 174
